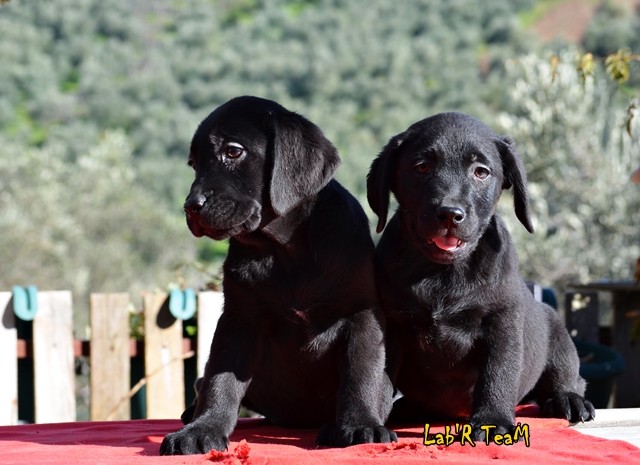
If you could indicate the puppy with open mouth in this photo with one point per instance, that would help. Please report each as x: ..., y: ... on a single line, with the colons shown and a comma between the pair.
x: 465, y: 337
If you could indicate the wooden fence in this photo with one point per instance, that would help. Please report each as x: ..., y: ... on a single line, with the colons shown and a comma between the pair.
x: 52, y: 349
x: 47, y: 381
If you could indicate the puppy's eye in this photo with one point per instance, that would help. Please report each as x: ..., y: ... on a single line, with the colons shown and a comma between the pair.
x: 233, y: 150
x: 422, y: 167
x: 481, y: 172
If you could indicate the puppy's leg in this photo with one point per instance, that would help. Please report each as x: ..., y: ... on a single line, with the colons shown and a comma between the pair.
x: 187, y: 415
x: 495, y: 394
x: 226, y: 379
x: 365, y: 396
x: 560, y: 389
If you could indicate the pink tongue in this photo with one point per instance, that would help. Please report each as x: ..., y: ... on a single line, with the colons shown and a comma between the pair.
x: 446, y: 243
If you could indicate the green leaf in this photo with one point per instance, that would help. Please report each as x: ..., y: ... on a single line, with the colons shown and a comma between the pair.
x: 585, y: 67
x: 617, y: 65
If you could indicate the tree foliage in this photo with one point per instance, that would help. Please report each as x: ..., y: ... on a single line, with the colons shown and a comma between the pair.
x: 579, y: 155
x: 613, y: 28
x: 88, y: 225
x: 99, y: 99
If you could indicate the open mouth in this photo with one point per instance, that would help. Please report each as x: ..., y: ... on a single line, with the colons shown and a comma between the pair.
x: 444, y: 249
x: 447, y: 243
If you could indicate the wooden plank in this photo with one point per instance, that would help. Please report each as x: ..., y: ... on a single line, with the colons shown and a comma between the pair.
x: 164, y: 365
x: 210, y: 305
x: 54, y: 374
x: 618, y: 423
x: 8, y: 362
x: 109, y: 359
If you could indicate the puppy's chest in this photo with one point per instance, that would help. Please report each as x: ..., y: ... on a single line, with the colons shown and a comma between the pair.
x: 270, y: 273
x: 266, y: 267
x: 445, y: 323
x: 282, y: 290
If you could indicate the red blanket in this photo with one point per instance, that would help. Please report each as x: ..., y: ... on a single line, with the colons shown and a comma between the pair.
x: 255, y: 442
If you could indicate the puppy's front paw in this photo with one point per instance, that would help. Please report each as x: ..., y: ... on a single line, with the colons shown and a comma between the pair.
x: 570, y: 406
x: 485, y: 428
x: 487, y: 431
x: 343, y: 436
x: 187, y: 415
x: 193, y: 439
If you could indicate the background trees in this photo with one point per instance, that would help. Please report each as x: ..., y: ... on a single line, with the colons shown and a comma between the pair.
x: 89, y: 225
x: 99, y: 99
x: 579, y: 157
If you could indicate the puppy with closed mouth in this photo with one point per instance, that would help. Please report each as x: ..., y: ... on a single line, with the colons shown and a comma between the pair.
x: 300, y: 339
x: 465, y: 337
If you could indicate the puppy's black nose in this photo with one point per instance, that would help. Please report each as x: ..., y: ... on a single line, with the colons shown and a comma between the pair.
x: 454, y: 215
x: 194, y: 203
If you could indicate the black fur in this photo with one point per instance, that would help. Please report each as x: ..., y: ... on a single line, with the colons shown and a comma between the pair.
x: 465, y: 337
x: 300, y: 339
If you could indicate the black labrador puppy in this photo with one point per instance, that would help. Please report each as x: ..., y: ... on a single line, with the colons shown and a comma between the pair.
x: 465, y: 336
x: 300, y: 339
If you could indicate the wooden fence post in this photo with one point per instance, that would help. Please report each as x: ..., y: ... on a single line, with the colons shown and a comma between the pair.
x: 53, y: 366
x: 209, y: 310
x: 164, y: 358
x: 110, y: 357
x: 8, y: 362
x: 53, y: 356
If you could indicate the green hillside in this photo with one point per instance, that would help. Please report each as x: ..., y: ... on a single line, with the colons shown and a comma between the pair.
x: 99, y: 99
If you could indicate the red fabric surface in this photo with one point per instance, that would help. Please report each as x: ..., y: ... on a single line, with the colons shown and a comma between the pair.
x: 255, y: 442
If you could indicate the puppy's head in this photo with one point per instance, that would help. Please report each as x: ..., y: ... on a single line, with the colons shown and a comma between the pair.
x: 447, y: 173
x: 253, y: 158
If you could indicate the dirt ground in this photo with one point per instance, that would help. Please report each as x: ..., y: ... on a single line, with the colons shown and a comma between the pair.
x: 569, y: 20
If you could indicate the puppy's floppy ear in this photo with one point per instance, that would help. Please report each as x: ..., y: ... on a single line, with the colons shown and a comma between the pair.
x: 379, y: 180
x: 304, y: 161
x: 515, y: 176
